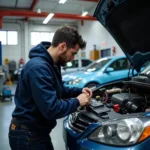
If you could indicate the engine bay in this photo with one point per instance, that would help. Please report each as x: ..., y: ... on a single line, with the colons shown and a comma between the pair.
x: 114, y: 100
x: 126, y: 97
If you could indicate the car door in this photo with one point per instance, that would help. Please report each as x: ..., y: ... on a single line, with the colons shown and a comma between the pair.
x: 117, y: 70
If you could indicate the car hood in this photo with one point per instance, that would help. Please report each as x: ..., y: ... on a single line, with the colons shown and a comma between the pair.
x: 128, y: 22
x: 79, y: 74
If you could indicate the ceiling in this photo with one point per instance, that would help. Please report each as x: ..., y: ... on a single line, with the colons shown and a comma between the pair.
x: 28, y: 10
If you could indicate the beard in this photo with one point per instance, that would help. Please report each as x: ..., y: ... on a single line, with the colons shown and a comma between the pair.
x: 62, y: 60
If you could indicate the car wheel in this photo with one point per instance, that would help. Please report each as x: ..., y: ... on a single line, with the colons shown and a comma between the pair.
x: 92, y: 85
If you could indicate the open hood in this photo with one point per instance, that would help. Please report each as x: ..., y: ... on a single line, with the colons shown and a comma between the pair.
x: 128, y: 21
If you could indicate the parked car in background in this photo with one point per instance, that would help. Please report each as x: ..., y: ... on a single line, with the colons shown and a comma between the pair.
x: 118, y: 116
x: 102, y: 71
x: 75, y: 65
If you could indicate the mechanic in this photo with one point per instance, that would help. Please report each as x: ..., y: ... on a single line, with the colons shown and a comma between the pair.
x: 41, y: 97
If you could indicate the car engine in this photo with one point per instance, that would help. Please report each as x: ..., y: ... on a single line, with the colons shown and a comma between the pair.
x: 114, y: 101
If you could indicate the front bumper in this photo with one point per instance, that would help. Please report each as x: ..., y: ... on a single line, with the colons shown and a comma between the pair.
x: 78, y: 141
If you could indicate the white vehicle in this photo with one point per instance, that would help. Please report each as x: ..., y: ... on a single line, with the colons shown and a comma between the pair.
x: 76, y: 65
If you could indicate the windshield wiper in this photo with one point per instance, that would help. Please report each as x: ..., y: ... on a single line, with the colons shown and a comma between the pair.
x: 146, y: 75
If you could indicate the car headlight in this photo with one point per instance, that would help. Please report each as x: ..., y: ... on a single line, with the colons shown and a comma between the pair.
x: 75, y: 81
x: 123, y: 132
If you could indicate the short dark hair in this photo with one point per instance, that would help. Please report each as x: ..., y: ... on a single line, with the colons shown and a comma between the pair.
x: 70, y: 36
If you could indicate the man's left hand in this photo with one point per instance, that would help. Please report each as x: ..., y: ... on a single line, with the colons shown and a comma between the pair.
x: 87, y: 91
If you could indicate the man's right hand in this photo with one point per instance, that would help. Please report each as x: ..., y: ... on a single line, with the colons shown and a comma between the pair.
x: 84, y: 99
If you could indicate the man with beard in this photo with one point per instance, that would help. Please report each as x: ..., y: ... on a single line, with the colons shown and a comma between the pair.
x: 41, y: 97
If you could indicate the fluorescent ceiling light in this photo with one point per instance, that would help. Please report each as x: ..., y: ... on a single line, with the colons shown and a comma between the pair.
x: 47, y: 19
x: 84, y: 13
x: 62, y: 1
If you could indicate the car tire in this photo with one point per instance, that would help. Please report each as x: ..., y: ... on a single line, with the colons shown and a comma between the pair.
x: 92, y: 85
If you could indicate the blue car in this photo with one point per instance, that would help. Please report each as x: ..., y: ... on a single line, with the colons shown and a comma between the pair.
x: 118, y: 116
x: 102, y: 71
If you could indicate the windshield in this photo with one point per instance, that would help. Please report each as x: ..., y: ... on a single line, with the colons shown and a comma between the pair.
x: 97, y: 65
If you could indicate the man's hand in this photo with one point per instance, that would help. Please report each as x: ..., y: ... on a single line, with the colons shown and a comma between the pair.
x: 87, y: 91
x: 83, y: 99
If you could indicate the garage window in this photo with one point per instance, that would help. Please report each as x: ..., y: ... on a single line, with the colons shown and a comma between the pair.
x: 9, y: 37
x: 12, y: 37
x: 3, y: 37
x: 37, y: 37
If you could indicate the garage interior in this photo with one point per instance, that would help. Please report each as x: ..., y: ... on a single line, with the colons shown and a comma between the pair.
x: 22, y: 27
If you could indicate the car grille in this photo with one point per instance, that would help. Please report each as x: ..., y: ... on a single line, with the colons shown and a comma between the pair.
x: 80, y: 121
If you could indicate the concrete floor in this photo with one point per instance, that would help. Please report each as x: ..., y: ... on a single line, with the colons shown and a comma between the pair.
x: 6, y: 109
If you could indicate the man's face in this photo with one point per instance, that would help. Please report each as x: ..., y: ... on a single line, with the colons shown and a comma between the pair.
x: 67, y: 55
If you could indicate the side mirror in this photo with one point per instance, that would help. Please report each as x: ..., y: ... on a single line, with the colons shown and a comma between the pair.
x: 109, y: 69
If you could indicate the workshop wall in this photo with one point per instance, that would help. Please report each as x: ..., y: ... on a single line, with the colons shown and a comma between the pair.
x: 95, y: 34
x: 12, y: 52
x: 92, y: 31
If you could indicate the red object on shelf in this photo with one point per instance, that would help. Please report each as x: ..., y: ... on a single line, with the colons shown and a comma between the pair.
x: 114, y: 49
x: 21, y: 61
